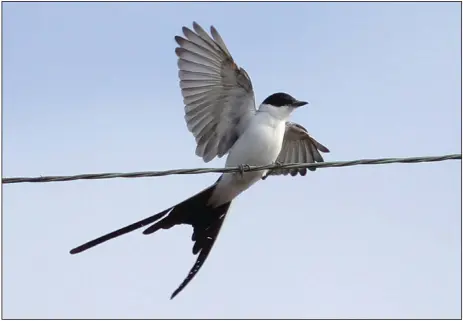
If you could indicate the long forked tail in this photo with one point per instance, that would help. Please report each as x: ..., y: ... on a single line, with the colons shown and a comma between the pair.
x: 205, y: 219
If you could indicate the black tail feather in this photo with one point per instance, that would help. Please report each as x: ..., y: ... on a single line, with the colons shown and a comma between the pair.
x: 119, y: 232
x: 205, y: 219
x: 193, y: 211
x: 204, y: 235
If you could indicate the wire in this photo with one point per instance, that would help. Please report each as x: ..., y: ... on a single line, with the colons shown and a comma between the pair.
x: 243, y: 168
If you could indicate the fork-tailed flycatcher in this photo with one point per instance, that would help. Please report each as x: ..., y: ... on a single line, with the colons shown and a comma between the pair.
x: 221, y: 114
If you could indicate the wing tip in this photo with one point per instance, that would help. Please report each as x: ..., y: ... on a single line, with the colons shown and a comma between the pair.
x: 213, y: 31
x: 179, y: 40
x: 323, y: 149
x: 197, y: 28
x: 186, y: 31
x: 179, y: 51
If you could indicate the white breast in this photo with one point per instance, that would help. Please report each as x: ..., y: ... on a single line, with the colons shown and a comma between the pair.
x: 260, y: 144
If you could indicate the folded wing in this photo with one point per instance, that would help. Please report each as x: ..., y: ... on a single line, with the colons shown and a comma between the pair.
x: 218, y: 95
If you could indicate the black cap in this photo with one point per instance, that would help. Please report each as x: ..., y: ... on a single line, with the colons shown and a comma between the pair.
x: 283, y: 99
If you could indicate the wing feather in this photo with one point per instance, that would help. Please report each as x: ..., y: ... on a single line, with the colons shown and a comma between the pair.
x: 303, y: 157
x: 197, y: 58
x: 188, y: 75
x: 218, y: 95
x: 195, y: 67
x: 298, y: 147
x: 197, y: 47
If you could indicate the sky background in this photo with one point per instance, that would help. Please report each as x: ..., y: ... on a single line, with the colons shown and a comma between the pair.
x: 93, y: 87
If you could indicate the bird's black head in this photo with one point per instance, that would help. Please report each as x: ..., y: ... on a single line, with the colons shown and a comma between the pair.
x: 283, y: 99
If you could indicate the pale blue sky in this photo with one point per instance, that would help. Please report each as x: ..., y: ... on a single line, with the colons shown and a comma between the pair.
x: 92, y: 87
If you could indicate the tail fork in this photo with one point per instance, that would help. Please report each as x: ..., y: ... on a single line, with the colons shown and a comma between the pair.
x: 205, y: 219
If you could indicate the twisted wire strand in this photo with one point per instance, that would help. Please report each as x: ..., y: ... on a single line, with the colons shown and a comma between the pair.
x: 243, y: 168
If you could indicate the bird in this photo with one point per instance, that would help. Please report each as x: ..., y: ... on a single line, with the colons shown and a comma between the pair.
x: 221, y: 113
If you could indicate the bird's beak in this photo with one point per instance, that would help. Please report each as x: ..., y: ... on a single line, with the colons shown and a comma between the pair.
x: 299, y: 103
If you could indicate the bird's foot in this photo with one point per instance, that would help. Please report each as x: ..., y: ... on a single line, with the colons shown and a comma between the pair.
x: 277, y: 163
x: 242, y: 168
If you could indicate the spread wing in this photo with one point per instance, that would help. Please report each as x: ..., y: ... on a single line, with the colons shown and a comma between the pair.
x: 298, y: 147
x: 218, y: 95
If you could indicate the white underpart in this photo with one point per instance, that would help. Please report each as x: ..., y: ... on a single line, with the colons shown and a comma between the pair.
x: 259, y: 144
